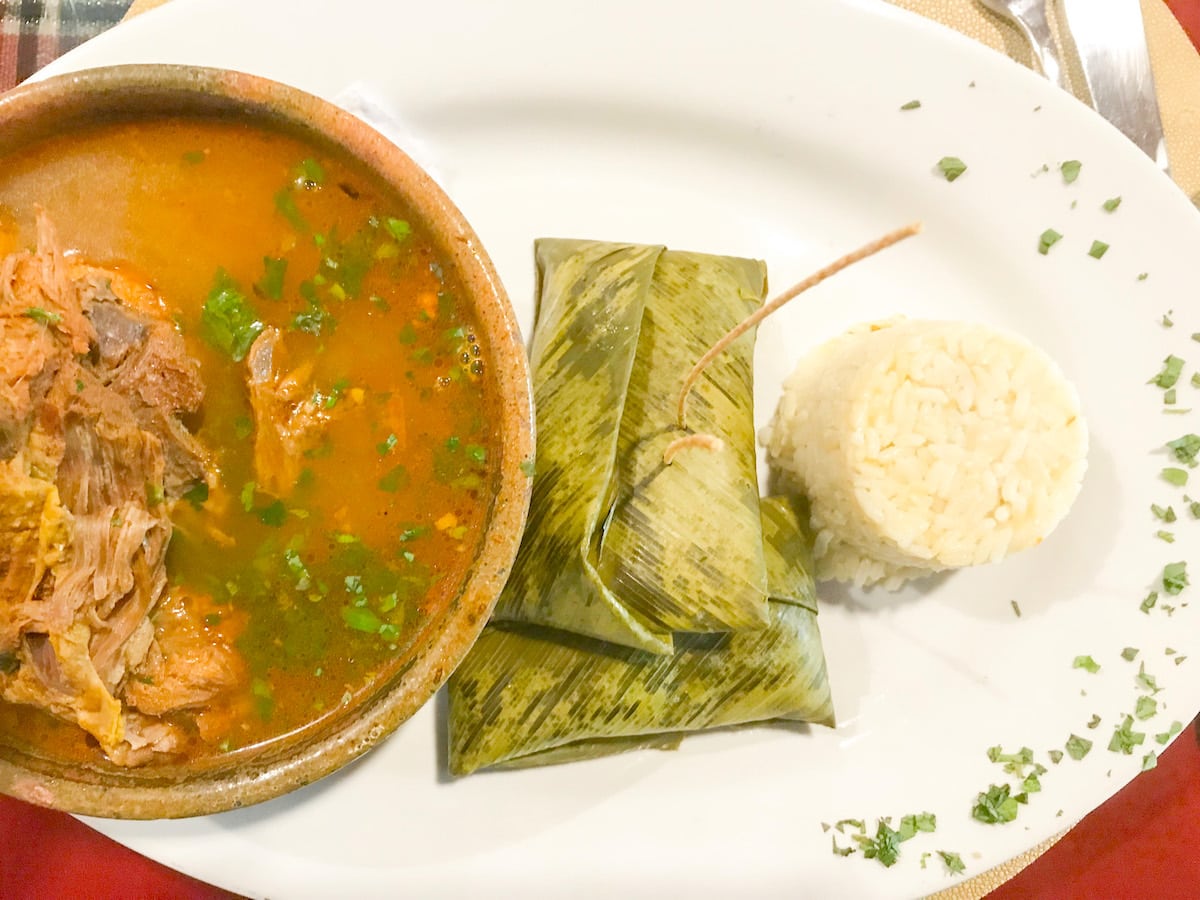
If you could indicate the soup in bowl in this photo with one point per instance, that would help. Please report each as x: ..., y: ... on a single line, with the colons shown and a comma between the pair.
x: 265, y: 440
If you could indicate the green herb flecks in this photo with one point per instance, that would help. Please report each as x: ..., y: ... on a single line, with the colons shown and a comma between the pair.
x: 1111, y: 204
x: 1086, y: 662
x: 229, y: 321
x: 1174, y: 577
x: 953, y: 861
x: 1129, y: 654
x: 1098, y: 249
x: 1176, y: 476
x: 997, y: 805
x: 1124, y: 738
x: 1078, y: 747
x: 197, y: 494
x: 911, y: 104
x: 1186, y: 448
x: 1172, y: 369
x: 1070, y: 170
x: 43, y: 316
x: 951, y: 167
x: 285, y: 205
x: 309, y: 174
x: 1048, y: 239
x: 271, y: 283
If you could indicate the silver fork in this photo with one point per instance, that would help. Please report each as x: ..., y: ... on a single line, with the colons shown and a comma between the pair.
x: 1030, y: 17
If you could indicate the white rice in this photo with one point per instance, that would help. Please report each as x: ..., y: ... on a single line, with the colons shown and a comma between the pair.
x: 925, y: 445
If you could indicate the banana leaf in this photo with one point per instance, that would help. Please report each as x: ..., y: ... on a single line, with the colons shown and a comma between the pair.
x: 532, y: 696
x: 620, y: 547
x: 683, y: 547
x: 591, y: 298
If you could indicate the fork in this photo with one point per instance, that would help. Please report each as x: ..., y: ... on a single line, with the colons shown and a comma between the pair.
x: 1029, y: 16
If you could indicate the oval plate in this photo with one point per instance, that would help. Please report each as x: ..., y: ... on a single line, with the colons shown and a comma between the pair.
x: 775, y: 131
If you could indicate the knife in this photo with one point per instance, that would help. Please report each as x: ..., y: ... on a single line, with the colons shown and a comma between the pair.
x: 1110, y: 37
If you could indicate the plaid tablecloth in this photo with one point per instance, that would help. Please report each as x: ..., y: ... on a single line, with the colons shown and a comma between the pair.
x: 34, y: 32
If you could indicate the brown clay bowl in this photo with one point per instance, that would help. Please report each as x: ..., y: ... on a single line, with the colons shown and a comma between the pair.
x: 253, y: 774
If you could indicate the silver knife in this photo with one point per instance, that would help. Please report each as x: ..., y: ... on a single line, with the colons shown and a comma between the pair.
x: 1110, y: 38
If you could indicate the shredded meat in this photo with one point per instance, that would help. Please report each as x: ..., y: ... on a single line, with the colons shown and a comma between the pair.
x: 95, y: 384
x: 286, y: 420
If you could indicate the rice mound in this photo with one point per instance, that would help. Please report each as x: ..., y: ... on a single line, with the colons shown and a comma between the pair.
x: 927, y: 445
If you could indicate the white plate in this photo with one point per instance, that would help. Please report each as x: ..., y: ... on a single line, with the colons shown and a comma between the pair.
x: 772, y: 131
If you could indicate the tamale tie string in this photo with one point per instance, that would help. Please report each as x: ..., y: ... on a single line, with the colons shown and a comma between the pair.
x: 712, y: 442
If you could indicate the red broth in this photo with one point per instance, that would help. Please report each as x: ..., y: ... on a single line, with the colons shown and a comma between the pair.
x: 324, y: 585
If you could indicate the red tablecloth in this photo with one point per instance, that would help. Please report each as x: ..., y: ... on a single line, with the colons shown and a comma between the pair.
x: 1144, y: 842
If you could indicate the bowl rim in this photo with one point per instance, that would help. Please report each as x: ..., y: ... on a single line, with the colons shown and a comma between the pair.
x: 142, y: 90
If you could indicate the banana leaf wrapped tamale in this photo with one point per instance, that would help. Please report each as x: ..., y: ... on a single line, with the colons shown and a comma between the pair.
x: 531, y: 696
x: 620, y: 546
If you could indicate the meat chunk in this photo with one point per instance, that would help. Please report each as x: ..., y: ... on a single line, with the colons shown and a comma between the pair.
x: 183, y: 669
x: 287, y: 422
x: 93, y: 455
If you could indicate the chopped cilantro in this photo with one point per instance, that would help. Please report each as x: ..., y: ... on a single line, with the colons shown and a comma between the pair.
x: 1165, y: 536
x: 229, y: 321
x: 271, y: 283
x: 1186, y: 448
x: 1167, y: 321
x: 528, y: 467
x: 910, y: 825
x: 885, y: 846
x: 1111, y: 204
x: 1146, y: 682
x: 911, y: 104
x: 385, y: 446
x: 1147, y: 707
x: 273, y: 515
x: 951, y: 167
x: 1164, y: 736
x: 1174, y: 577
x: 1048, y: 239
x: 953, y: 862
x: 398, y: 228
x: 247, y: 495
x: 1056, y: 756
x: 362, y: 618
x: 996, y: 805
x: 395, y: 479
x: 43, y: 316
x: 197, y: 494
x: 1124, y: 738
x: 1149, y: 761
x: 1142, y: 276
x: 1098, y: 249
x: 1070, y: 170
x: 476, y: 453
x: 1166, y: 515
x: 1172, y: 369
x: 1176, y: 476
x: 309, y: 174
x: 1148, y: 603
x: 411, y: 534
x: 1129, y: 654
x: 1086, y: 662
x: 1078, y: 747
x: 1016, y: 608
x: 1094, y: 721
x: 285, y: 205
x: 1169, y: 398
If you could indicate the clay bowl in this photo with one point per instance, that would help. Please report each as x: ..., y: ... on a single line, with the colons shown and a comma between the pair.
x: 256, y: 773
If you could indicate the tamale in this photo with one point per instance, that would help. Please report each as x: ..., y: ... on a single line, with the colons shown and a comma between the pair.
x: 591, y: 298
x: 532, y: 696
x: 619, y: 546
x: 683, y: 546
